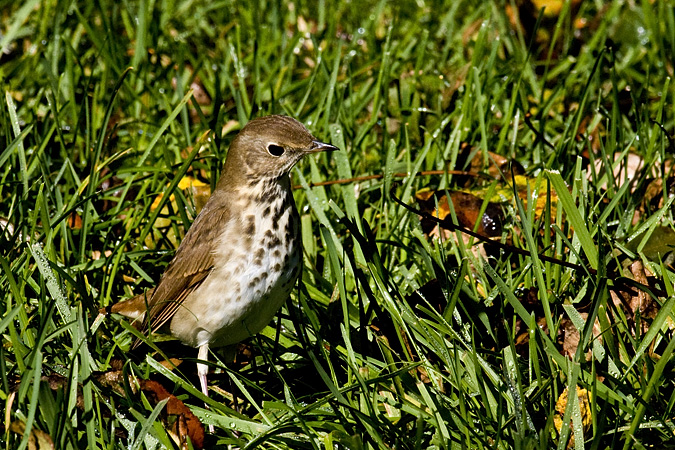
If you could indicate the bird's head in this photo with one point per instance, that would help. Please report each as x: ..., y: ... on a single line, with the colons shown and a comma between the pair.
x: 269, y: 147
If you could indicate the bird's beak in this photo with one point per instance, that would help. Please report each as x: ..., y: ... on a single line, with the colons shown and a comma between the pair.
x: 318, y: 146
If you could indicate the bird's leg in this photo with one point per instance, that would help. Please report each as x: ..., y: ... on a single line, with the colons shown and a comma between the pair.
x: 202, y: 371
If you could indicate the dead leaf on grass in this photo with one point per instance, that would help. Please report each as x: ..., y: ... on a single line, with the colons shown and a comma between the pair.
x: 495, y: 165
x: 584, y: 408
x: 467, y: 208
x: 635, y: 302
x: 625, y: 169
x: 571, y: 336
x: 178, y: 419
x: 654, y: 196
x: 200, y: 192
x: 38, y: 440
x: 200, y: 95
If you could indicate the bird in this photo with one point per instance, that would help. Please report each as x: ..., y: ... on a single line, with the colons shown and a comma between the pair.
x: 240, y: 259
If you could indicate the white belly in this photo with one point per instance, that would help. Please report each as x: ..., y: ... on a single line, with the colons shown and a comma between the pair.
x: 251, y: 279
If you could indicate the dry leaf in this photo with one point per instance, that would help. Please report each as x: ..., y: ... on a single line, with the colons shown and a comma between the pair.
x: 493, y: 164
x: 624, y: 171
x: 551, y: 7
x: 200, y: 194
x: 181, y: 421
x: 525, y: 14
x: 584, y: 409
x: 96, y: 254
x: 200, y: 191
x: 654, y: 196
x: 75, y: 221
x: 466, y: 206
x: 38, y: 440
x: 178, y: 418
x: 571, y: 336
x: 199, y: 92
x: 636, y: 301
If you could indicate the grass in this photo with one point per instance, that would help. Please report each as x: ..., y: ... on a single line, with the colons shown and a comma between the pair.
x: 394, y: 338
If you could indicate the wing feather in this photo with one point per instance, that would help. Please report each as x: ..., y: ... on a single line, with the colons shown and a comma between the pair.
x: 190, y: 266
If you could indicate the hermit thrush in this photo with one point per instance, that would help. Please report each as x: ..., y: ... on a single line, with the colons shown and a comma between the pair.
x: 242, y: 256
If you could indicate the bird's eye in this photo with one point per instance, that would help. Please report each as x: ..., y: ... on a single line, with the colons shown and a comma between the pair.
x: 275, y: 150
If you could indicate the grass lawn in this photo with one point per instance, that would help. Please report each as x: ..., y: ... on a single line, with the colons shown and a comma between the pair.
x: 551, y: 133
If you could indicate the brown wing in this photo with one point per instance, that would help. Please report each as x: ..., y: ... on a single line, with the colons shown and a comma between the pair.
x: 190, y: 266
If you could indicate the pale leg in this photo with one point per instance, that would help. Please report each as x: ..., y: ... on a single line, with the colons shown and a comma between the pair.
x: 202, y: 371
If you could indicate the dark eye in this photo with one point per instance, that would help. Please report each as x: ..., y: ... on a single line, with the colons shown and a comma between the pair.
x: 275, y: 150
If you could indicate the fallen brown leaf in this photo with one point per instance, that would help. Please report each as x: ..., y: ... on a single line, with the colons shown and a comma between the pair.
x: 636, y: 302
x: 177, y: 418
x: 571, y: 336
x: 467, y: 208
x: 38, y: 440
x: 181, y: 421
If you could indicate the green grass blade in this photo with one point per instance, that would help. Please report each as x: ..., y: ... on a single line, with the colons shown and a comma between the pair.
x: 578, y: 224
